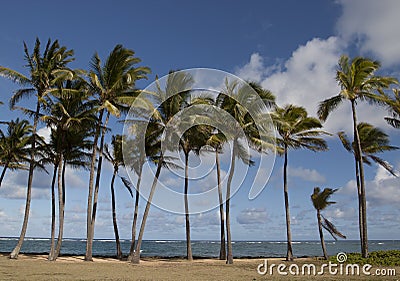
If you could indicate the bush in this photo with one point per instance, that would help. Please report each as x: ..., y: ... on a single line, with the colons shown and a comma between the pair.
x: 381, y: 258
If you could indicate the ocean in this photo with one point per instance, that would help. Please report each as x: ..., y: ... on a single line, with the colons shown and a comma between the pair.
x: 200, y: 248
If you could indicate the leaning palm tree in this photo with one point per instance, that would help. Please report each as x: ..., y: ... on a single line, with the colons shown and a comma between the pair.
x: 357, y: 81
x: 113, y: 85
x: 45, y: 72
x: 296, y: 130
x: 320, y: 202
x: 242, y: 104
x: 116, y: 159
x: 169, y: 101
x: 14, y: 146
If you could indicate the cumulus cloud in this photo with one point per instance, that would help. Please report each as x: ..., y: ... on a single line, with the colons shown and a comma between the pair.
x: 45, y: 132
x: 253, y: 70
x: 373, y: 25
x: 15, y: 184
x: 342, y: 212
x: 307, y: 78
x: 252, y: 216
x: 311, y: 175
x: 383, y: 190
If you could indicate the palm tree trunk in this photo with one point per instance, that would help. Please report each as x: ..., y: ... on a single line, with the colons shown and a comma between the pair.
x: 229, y: 257
x: 289, y: 255
x: 3, y: 173
x: 53, y: 214
x: 222, y: 250
x: 135, y: 215
x: 321, y: 234
x: 61, y: 199
x: 114, y: 216
x: 15, y: 251
x: 89, y: 239
x: 189, y: 255
x: 97, y: 184
x: 364, y: 247
x: 360, y: 213
x: 136, y: 256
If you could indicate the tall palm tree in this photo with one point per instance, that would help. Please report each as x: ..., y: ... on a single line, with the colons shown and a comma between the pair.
x: 320, y: 202
x: 14, y: 146
x: 191, y: 141
x: 45, y: 71
x: 241, y: 103
x: 113, y: 85
x: 116, y: 159
x: 71, y: 117
x: 136, y: 158
x: 296, y: 130
x: 357, y: 81
x: 216, y: 141
x: 169, y: 102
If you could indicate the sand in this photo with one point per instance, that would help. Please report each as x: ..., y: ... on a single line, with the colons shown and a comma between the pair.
x: 36, y: 267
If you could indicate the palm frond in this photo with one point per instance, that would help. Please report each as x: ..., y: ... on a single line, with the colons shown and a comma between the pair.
x: 15, y: 76
x: 128, y: 185
x: 327, y: 106
x: 330, y: 227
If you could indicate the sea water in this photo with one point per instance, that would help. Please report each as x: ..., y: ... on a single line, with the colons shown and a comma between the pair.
x: 200, y: 248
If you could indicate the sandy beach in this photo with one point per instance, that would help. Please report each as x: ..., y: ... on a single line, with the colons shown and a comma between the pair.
x: 36, y: 267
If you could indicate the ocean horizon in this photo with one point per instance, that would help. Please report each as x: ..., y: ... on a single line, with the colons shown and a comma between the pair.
x: 201, y: 248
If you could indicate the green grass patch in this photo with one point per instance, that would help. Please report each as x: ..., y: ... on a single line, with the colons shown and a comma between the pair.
x: 381, y: 258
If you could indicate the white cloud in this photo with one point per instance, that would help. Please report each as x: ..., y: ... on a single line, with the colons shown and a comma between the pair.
x: 374, y: 26
x: 15, y: 184
x: 254, y: 70
x: 252, y: 216
x: 383, y: 190
x: 307, y: 174
x: 45, y: 132
x: 347, y: 213
x: 307, y: 78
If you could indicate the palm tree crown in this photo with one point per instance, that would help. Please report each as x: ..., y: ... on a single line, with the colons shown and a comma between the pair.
x: 320, y: 198
x: 357, y: 80
x: 373, y: 140
x: 297, y: 130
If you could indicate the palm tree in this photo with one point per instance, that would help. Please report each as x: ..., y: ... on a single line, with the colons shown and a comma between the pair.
x: 373, y: 140
x: 113, y: 85
x: 216, y: 141
x: 71, y: 117
x: 136, y: 158
x: 116, y: 159
x: 192, y: 140
x: 296, y: 130
x: 393, y: 104
x: 15, y: 146
x: 46, y: 70
x: 241, y: 103
x: 169, y: 102
x: 320, y: 202
x: 357, y: 81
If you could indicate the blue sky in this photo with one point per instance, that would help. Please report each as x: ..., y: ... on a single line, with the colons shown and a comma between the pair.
x: 290, y: 47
